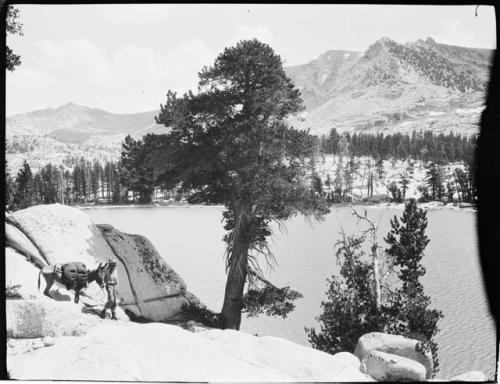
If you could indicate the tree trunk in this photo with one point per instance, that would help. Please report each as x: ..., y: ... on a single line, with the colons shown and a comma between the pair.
x: 233, y: 297
x: 237, y: 274
x: 376, y: 276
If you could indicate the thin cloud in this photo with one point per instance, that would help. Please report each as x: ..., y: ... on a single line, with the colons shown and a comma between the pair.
x: 455, y: 31
x: 133, y: 13
x: 247, y: 32
x: 107, y: 55
x: 79, y: 71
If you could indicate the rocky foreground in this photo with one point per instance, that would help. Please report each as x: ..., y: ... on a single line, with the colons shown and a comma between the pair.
x: 161, y: 352
x: 56, y: 339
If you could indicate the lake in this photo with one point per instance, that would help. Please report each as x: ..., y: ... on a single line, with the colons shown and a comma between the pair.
x: 190, y: 240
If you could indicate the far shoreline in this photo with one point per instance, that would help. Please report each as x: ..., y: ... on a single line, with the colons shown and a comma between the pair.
x: 430, y: 205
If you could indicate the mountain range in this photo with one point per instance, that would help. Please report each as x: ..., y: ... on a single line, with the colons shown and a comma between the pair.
x: 391, y: 87
x: 394, y: 87
x: 74, y: 123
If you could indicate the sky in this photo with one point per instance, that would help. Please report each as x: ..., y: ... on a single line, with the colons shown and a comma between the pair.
x: 123, y: 58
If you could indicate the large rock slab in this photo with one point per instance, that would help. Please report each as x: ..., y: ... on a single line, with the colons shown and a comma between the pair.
x: 17, y: 240
x: 45, y: 317
x: 20, y: 346
x: 62, y: 234
x: 396, y: 345
x: 148, y: 287
x: 306, y: 365
x: 162, y: 352
x: 388, y: 367
x: 18, y: 271
x: 470, y: 376
x: 157, y: 291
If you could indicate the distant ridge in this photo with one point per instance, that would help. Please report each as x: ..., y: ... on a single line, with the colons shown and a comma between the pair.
x: 76, y: 123
x: 389, y: 87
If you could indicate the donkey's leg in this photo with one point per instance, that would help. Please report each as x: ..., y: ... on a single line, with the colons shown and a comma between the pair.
x: 49, y: 281
x: 77, y: 296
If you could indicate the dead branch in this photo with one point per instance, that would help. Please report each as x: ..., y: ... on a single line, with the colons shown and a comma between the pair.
x: 376, y: 271
x: 258, y: 276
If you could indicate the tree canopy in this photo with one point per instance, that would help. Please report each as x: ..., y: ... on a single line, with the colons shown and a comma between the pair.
x: 24, y: 187
x: 13, y: 27
x: 231, y: 144
x: 135, y: 173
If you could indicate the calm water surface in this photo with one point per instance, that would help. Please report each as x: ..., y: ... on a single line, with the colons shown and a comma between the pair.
x: 190, y: 240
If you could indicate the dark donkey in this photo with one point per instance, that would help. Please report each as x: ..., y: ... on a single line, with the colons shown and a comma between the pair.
x: 55, y: 274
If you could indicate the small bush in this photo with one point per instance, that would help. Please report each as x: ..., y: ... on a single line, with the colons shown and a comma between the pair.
x: 12, y: 292
x: 202, y: 315
x: 135, y: 318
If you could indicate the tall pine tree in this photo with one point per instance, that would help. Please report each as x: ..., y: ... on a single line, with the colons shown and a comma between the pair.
x: 24, y: 196
x: 231, y: 143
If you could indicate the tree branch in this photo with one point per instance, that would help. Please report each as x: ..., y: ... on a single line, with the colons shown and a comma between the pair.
x: 373, y: 227
x: 254, y: 273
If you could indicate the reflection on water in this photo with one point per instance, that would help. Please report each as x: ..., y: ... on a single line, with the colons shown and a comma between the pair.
x: 190, y: 240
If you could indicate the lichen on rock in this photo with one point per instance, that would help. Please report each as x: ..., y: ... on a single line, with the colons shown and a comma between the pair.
x: 160, y: 272
x: 156, y: 291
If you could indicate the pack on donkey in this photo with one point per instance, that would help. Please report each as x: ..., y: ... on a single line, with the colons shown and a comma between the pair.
x: 73, y: 275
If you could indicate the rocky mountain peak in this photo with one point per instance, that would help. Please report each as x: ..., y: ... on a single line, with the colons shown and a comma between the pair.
x: 394, y: 84
x: 384, y: 40
x: 69, y: 105
x: 428, y: 43
x: 431, y: 41
x: 381, y: 45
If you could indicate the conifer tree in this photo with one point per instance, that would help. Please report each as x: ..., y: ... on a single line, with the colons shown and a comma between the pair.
x: 96, y: 179
x: 68, y: 187
x: 317, y: 184
x: 109, y: 176
x: 328, y: 182
x: 13, y: 27
x: 409, y: 303
x: 78, y: 183
x: 51, y: 184
x: 24, y: 196
x: 10, y: 188
x: 38, y: 190
x: 350, y: 309
x: 404, y: 182
x: 231, y: 143
x: 137, y: 174
x: 434, y: 181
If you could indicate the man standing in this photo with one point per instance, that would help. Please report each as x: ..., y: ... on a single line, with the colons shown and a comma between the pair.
x: 111, y: 282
